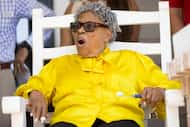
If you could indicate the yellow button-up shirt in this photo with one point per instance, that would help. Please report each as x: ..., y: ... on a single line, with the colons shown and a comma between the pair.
x: 83, y: 89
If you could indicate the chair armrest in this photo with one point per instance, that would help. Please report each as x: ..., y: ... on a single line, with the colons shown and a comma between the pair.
x: 16, y: 106
x: 173, y: 99
x: 13, y: 104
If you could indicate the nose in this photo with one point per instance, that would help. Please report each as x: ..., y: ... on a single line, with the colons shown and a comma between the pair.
x: 81, y: 30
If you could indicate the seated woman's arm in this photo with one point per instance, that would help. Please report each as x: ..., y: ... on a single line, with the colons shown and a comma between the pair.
x: 152, y: 84
x: 38, y: 105
x: 39, y: 90
x: 135, y: 28
x: 66, y: 37
x: 176, y: 19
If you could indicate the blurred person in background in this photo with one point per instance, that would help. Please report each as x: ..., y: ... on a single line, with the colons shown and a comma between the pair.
x: 11, y: 53
x: 129, y: 33
x: 179, y: 14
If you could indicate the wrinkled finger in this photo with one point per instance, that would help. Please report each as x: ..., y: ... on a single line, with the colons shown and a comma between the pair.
x: 144, y: 94
x: 34, y: 111
x: 44, y: 111
x: 143, y: 102
x: 38, y: 112
x: 149, y: 96
x: 156, y: 97
x: 154, y: 100
x: 44, y: 114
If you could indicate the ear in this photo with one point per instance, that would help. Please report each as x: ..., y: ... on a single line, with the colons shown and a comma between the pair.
x: 108, y: 35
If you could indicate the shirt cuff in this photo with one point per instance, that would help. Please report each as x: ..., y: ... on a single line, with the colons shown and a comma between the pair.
x: 27, y: 93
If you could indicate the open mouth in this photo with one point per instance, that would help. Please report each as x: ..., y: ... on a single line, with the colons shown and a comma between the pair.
x: 80, y: 42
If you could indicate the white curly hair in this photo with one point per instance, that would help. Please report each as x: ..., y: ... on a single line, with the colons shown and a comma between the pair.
x: 104, y: 13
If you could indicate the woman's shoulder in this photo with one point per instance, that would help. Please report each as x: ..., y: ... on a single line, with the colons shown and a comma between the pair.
x: 64, y: 58
x: 129, y: 54
x: 126, y: 52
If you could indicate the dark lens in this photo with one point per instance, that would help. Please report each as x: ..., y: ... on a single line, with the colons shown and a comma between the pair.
x: 89, y: 26
x: 74, y: 26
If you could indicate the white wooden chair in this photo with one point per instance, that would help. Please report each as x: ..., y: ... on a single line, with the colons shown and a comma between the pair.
x: 16, y: 105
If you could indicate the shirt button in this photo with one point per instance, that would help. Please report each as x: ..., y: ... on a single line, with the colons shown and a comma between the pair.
x: 119, y: 93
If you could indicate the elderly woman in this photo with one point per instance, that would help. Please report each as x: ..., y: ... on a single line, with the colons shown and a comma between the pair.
x: 96, y: 87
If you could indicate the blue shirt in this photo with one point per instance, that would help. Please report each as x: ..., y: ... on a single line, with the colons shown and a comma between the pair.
x: 11, y: 11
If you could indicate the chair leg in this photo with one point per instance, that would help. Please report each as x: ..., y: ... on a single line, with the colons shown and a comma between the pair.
x: 16, y: 106
x: 174, y: 99
x: 38, y: 124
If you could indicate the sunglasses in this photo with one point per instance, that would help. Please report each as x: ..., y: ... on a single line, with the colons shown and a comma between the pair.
x: 87, y: 26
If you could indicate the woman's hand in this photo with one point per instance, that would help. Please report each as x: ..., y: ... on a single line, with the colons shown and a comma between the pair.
x: 20, y: 58
x: 38, y: 105
x: 153, y: 95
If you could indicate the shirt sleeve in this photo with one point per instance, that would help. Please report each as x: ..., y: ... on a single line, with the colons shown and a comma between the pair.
x: 42, y: 83
x: 24, y: 10
x: 150, y: 75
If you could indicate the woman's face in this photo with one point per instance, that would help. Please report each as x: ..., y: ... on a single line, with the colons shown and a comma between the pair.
x: 91, y: 35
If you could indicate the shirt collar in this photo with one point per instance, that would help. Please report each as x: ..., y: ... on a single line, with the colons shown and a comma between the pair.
x: 95, y: 64
x: 105, y: 56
